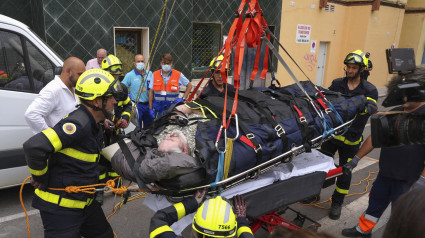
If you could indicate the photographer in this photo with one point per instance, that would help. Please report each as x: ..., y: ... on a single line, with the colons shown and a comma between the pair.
x: 399, y: 166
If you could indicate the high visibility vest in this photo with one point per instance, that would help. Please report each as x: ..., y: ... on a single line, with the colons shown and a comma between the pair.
x: 167, y: 92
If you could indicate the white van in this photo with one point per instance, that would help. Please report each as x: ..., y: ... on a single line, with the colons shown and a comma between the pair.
x: 27, y: 64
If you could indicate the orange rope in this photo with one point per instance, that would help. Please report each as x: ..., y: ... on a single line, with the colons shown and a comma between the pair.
x: 367, y: 179
x: 23, y: 206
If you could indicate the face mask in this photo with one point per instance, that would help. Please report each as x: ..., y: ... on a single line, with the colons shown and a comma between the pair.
x: 166, y: 68
x: 140, y: 66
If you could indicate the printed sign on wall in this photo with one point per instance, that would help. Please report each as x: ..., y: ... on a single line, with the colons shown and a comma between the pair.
x: 303, y: 34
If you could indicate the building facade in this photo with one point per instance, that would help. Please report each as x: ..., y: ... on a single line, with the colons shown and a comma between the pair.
x: 194, y: 33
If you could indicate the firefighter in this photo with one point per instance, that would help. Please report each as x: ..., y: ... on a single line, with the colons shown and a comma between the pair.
x: 164, y: 88
x: 214, y: 218
x: 113, y: 65
x: 68, y: 155
x: 348, y: 144
x: 217, y: 87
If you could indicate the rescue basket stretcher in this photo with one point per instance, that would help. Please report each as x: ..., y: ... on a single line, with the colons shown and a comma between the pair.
x: 205, y: 177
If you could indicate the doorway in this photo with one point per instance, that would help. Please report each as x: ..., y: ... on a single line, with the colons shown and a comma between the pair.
x: 321, y: 60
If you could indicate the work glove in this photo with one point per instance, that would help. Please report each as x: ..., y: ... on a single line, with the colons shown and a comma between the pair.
x: 38, y: 185
x: 122, y: 123
x: 420, y: 183
x: 177, y: 100
x: 108, y: 124
x: 152, y: 113
x: 371, y: 107
x: 200, y: 195
x: 351, y: 164
x: 240, y: 206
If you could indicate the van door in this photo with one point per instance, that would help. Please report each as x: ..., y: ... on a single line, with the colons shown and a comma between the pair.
x: 24, y: 71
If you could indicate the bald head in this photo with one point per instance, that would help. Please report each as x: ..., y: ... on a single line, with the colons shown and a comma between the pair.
x: 101, y: 54
x: 72, y: 68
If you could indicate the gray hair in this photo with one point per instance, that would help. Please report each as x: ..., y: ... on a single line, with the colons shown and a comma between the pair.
x: 183, y: 140
x: 418, y: 75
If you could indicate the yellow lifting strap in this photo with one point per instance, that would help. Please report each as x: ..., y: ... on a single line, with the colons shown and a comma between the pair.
x: 228, y: 157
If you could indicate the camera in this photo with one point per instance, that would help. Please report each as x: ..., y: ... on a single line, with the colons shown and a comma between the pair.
x: 396, y: 128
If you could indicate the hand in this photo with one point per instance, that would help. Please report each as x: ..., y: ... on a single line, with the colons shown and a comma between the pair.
x: 240, y: 206
x: 351, y: 164
x: 420, y: 183
x: 177, y: 100
x: 122, y: 123
x: 371, y: 107
x: 108, y: 124
x: 200, y: 195
x: 38, y: 185
x: 152, y: 113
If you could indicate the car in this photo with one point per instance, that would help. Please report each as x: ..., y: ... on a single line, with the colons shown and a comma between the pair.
x: 27, y: 64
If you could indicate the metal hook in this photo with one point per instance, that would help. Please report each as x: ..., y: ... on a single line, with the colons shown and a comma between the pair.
x: 218, y: 139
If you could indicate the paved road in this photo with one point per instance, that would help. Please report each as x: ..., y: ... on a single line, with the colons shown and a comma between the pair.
x: 132, y: 220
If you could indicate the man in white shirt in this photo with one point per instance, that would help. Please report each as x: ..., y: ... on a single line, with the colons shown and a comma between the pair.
x: 56, y: 99
x: 96, y: 62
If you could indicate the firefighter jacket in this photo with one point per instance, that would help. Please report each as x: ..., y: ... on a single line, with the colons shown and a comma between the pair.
x: 354, y: 134
x: 123, y: 106
x: 65, y: 155
x: 168, y: 92
x: 164, y: 218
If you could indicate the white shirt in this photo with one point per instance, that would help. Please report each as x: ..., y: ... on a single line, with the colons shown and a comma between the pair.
x: 52, y: 103
x: 92, y: 64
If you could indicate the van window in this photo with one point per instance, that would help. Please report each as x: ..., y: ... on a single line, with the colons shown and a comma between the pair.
x: 13, y: 74
x: 41, y: 67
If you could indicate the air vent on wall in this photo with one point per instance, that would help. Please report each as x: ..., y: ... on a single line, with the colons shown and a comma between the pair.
x: 330, y: 8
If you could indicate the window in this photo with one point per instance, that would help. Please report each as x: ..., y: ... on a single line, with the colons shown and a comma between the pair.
x: 13, y: 73
x: 41, y: 67
x: 130, y: 41
x: 206, y: 43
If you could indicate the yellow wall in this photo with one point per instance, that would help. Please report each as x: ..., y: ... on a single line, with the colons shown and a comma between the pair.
x: 346, y: 29
x: 412, y: 35
x: 414, y: 4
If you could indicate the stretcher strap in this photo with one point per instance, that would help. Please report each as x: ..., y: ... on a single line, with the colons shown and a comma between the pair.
x: 220, y: 167
x: 228, y: 157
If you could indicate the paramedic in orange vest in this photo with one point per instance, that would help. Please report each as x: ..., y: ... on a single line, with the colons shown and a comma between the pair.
x: 165, y: 87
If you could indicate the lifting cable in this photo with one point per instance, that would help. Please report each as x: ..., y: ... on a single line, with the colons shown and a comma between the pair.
x: 152, y: 52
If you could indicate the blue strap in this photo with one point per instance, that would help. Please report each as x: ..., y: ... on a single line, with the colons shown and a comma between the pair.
x: 220, y: 168
x: 331, y: 106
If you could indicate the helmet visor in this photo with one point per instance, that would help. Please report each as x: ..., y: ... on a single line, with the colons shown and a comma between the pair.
x: 199, y: 235
x: 114, y: 89
x: 115, y: 69
x: 353, y: 58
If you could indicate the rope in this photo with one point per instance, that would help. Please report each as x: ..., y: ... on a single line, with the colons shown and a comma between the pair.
x: 139, y: 92
x: 23, y: 206
x: 367, y: 179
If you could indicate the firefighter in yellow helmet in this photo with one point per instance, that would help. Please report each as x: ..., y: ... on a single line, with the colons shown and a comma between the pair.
x: 348, y: 144
x: 67, y: 155
x: 216, y: 87
x: 214, y: 218
x: 122, y: 110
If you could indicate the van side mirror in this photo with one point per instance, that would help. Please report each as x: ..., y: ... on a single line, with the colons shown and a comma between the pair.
x: 57, y: 70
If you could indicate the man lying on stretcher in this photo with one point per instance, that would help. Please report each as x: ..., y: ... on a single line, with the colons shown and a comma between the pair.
x: 168, y: 160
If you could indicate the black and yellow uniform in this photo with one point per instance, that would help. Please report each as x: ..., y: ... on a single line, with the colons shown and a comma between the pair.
x: 348, y: 144
x: 122, y: 111
x: 68, y: 155
x: 164, y: 218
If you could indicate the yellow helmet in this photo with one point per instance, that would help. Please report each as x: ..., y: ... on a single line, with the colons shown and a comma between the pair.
x: 357, y: 57
x: 95, y: 83
x: 215, y: 218
x: 112, y: 64
x: 214, y: 66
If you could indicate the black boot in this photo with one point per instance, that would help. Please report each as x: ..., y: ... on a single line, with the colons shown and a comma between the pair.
x: 353, y: 232
x: 335, y: 212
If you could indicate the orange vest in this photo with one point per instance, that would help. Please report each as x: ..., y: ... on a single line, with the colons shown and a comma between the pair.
x: 167, y: 92
x: 172, y: 84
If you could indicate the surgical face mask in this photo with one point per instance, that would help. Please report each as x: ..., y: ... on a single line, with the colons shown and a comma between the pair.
x: 140, y: 66
x: 166, y: 67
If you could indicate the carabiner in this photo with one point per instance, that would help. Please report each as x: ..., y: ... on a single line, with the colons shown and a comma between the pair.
x: 237, y: 126
x: 218, y: 139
